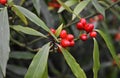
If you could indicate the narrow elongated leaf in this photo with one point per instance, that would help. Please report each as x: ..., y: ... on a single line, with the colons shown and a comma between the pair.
x: 110, y: 46
x: 39, y: 63
x: 98, y: 7
x: 67, y: 8
x: 79, y: 8
x: 21, y: 55
x: 75, y: 67
x: 31, y: 16
x: 57, y: 33
x: 20, y: 15
x: 37, y: 6
x: 27, y: 30
x: 45, y: 75
x: 4, y: 39
x: 96, y: 60
x: 69, y: 3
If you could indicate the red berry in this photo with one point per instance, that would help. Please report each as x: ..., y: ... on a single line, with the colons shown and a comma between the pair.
x: 63, y: 34
x: 89, y: 27
x: 93, y: 34
x: 52, y: 30
x: 3, y: 2
x: 79, y: 26
x: 65, y: 43
x: 72, y: 43
x: 83, y: 37
x: 70, y: 37
x: 114, y: 0
x: 100, y: 17
x: 83, y: 21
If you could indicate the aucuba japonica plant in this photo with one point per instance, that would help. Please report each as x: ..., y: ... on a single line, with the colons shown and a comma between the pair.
x: 33, y: 46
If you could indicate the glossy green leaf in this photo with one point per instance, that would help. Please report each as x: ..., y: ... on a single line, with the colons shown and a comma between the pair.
x: 31, y: 16
x: 39, y: 63
x: 37, y: 5
x: 98, y: 7
x: 69, y: 3
x: 19, y: 14
x: 4, y: 39
x: 57, y: 33
x: 96, y: 61
x: 75, y: 67
x: 21, y: 55
x: 110, y: 46
x: 27, y: 30
x: 45, y: 75
x: 79, y: 8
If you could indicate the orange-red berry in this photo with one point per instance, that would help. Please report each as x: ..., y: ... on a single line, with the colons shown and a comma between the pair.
x: 89, y: 27
x: 93, y: 34
x: 64, y: 43
x: 72, y: 43
x: 63, y: 34
x: 83, y: 37
x: 79, y: 26
x: 3, y: 2
x: 52, y: 30
x: 70, y: 37
x: 83, y: 21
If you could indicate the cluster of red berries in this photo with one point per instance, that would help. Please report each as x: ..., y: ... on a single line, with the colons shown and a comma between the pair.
x: 3, y: 2
x: 66, y: 40
x: 88, y: 27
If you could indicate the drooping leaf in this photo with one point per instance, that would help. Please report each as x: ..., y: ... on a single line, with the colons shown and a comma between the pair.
x: 21, y: 55
x: 39, y: 63
x: 98, y: 7
x: 69, y: 3
x: 27, y: 30
x: 4, y: 39
x: 79, y: 8
x: 35, y: 19
x: 96, y: 61
x: 37, y: 5
x: 75, y: 67
x: 31, y: 16
x: 17, y: 69
x: 110, y: 46
x: 57, y: 33
x: 20, y: 15
x: 45, y: 75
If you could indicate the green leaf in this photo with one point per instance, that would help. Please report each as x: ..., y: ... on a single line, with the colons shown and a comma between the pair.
x: 27, y: 30
x: 67, y: 8
x: 96, y: 61
x: 45, y: 75
x: 37, y: 5
x: 21, y: 55
x: 19, y: 14
x: 98, y: 7
x: 58, y: 30
x: 4, y: 39
x: 39, y: 63
x: 69, y: 3
x: 75, y: 67
x: 110, y: 46
x: 79, y: 8
x: 31, y: 16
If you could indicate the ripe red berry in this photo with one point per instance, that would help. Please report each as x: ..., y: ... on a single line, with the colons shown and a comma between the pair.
x: 65, y: 43
x: 93, y: 34
x: 63, y: 34
x: 79, y: 26
x: 83, y: 21
x: 3, y: 2
x: 72, y: 43
x: 100, y: 17
x: 89, y: 27
x: 52, y: 30
x: 83, y: 37
x: 70, y: 37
